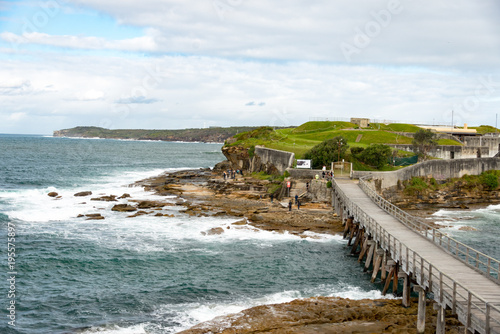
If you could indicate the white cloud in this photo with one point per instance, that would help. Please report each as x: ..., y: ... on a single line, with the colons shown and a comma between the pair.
x: 136, y: 100
x: 190, y: 91
x: 143, y: 44
x: 90, y: 95
x: 15, y: 86
x: 17, y: 116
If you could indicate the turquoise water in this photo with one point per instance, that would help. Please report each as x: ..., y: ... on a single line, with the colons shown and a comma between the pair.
x: 145, y: 274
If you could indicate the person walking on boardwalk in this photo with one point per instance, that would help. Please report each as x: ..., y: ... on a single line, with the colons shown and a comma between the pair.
x: 296, y: 198
x: 290, y: 205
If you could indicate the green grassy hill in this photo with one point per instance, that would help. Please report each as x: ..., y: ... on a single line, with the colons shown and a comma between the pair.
x: 302, y: 138
x: 485, y: 129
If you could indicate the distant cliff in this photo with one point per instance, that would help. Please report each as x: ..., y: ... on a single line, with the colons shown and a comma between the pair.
x: 213, y: 134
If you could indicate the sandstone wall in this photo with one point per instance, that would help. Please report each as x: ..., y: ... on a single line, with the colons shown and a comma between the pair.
x: 439, y: 169
x: 267, y: 157
x: 264, y: 159
x: 318, y: 191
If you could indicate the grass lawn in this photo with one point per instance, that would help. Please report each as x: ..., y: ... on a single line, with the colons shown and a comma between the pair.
x: 301, y: 139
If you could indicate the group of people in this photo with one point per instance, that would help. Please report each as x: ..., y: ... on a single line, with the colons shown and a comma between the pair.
x: 231, y: 173
x: 328, y: 175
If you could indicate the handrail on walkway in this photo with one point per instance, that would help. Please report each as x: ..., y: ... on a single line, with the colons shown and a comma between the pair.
x: 472, y: 309
x: 487, y: 265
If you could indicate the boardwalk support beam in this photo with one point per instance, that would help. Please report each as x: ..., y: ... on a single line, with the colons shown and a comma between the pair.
x: 406, y: 288
x: 440, y: 319
x: 421, y: 309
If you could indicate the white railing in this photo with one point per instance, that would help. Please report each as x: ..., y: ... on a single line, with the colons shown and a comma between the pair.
x: 472, y: 310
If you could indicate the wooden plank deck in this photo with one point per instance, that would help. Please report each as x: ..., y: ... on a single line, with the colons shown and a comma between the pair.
x: 468, y: 279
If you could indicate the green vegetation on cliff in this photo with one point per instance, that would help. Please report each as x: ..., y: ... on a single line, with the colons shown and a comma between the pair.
x: 213, y: 134
x: 302, y: 138
x: 487, y: 181
x: 485, y: 129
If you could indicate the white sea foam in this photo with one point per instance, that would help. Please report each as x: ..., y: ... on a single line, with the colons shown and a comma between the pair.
x: 115, y: 329
x: 190, y: 314
x: 43, y: 214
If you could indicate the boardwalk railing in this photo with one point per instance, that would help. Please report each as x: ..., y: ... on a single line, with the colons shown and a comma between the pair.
x: 481, y: 262
x: 472, y: 310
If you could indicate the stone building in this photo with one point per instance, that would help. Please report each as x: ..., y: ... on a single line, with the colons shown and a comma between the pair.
x: 361, y: 122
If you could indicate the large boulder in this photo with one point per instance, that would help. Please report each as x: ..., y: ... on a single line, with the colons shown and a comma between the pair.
x: 94, y: 216
x: 52, y: 194
x: 83, y: 193
x: 110, y: 198
x: 214, y: 231
x: 123, y: 208
x: 152, y: 204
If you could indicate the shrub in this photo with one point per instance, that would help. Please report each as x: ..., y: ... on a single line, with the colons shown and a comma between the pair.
x: 489, y: 181
x: 416, y: 186
x: 356, y: 150
x: 376, y: 155
x: 433, y: 182
x: 329, y: 184
x: 251, y: 151
x: 327, y: 151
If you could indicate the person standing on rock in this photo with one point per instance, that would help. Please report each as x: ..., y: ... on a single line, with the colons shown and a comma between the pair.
x: 224, y: 175
x: 290, y: 205
x: 272, y: 197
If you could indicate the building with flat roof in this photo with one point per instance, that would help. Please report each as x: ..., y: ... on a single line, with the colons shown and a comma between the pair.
x: 361, y: 122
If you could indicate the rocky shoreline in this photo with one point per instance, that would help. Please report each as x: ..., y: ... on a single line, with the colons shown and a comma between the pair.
x: 326, y: 315
x: 206, y: 193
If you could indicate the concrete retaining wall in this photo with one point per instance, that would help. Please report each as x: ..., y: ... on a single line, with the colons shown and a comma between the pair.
x: 438, y: 169
x: 451, y: 151
x: 281, y: 160
x: 491, y: 142
x: 305, y: 174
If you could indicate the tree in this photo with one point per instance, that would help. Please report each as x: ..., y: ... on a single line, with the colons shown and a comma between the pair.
x: 376, y: 155
x: 423, y: 142
x: 327, y: 151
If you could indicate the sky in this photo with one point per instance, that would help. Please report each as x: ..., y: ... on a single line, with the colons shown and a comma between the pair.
x: 172, y: 64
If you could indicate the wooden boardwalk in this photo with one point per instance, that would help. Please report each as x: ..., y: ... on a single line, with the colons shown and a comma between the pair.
x: 458, y: 278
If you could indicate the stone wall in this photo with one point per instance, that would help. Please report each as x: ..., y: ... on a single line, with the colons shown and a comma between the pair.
x: 304, y: 174
x: 491, y: 142
x: 281, y: 160
x: 451, y: 151
x: 264, y: 159
x: 438, y: 169
x: 318, y: 191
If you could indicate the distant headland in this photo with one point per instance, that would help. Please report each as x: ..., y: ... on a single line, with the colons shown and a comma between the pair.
x: 206, y: 135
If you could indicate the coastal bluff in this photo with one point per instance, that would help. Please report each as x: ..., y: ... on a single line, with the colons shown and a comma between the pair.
x: 205, y: 135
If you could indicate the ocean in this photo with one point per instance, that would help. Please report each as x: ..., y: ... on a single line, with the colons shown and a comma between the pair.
x: 64, y: 274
